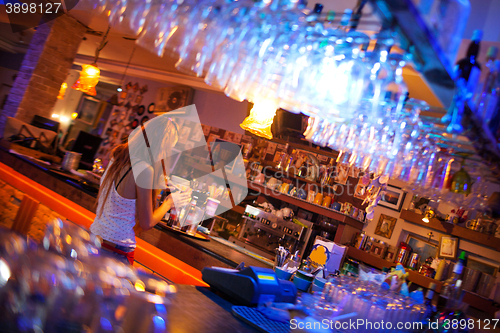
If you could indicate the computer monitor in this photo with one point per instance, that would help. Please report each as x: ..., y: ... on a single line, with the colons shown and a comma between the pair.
x: 86, y: 144
x: 45, y: 123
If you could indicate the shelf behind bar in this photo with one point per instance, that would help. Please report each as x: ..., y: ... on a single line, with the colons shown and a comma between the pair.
x: 380, y: 263
x: 473, y: 299
x: 452, y: 229
x: 307, y: 206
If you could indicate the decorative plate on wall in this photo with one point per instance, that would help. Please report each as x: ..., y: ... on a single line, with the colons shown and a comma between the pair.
x: 140, y: 110
x: 151, y: 108
x: 135, y: 123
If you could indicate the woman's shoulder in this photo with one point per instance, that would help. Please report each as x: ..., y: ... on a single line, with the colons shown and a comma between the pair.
x: 140, y: 167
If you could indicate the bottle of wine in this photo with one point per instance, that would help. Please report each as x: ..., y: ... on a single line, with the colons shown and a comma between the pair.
x: 469, y: 68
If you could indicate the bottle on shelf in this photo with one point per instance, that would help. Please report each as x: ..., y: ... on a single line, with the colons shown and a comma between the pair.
x: 190, y: 215
x: 290, y: 162
x: 329, y: 175
x: 467, y: 73
x: 303, y: 168
x: 430, y: 309
x: 449, y: 285
x: 282, y: 162
x: 468, y: 67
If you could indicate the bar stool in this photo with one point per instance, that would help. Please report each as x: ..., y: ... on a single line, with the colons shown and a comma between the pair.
x: 25, y: 214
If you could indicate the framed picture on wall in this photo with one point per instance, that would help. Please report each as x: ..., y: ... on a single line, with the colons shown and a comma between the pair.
x: 393, y: 198
x: 424, y: 248
x: 385, y: 226
x: 448, y: 247
x: 89, y: 110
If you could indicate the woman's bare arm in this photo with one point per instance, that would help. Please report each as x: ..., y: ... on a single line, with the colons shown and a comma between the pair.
x: 147, y: 217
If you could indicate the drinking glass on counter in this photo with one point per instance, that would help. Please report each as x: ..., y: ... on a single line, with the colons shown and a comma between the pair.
x: 62, y: 285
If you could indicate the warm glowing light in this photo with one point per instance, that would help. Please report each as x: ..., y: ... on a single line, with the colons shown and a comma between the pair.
x: 4, y: 272
x: 89, y: 78
x: 425, y: 219
x: 62, y: 90
x: 140, y: 286
x: 74, y: 115
x: 260, y: 119
x: 119, y: 89
x: 64, y: 119
x: 54, y: 115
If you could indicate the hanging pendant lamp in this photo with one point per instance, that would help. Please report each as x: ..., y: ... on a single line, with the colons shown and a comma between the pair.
x: 89, y: 76
x: 260, y: 119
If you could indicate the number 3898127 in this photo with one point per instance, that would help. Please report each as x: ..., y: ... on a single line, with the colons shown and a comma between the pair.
x: 33, y: 8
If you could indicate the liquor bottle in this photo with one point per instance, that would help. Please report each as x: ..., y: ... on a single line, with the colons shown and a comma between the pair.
x: 356, y: 16
x: 467, y: 73
x: 329, y: 174
x: 303, y: 168
x: 449, y: 286
x: 468, y: 67
x: 343, y: 27
x: 189, y: 215
x: 430, y: 309
x: 282, y: 162
x: 316, y: 12
x: 290, y: 162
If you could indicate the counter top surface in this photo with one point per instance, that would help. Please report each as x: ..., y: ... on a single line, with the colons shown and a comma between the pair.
x: 51, y: 177
x: 197, y: 253
x: 197, y: 309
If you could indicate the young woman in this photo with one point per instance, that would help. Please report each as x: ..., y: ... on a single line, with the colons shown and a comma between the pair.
x: 127, y: 199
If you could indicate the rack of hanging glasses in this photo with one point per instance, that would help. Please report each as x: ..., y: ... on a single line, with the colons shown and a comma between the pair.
x: 279, y: 54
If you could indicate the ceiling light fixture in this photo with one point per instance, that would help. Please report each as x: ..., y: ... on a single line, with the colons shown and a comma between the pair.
x: 260, y: 119
x: 89, y: 76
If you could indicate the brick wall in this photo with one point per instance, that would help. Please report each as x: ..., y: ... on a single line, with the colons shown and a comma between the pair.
x: 44, y: 68
x: 10, y: 199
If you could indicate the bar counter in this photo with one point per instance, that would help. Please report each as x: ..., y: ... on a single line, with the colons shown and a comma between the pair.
x: 197, y: 309
x: 195, y: 253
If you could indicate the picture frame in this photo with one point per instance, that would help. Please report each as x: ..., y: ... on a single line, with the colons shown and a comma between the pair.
x: 393, y: 198
x: 378, y: 250
x: 89, y: 110
x: 424, y: 248
x: 386, y: 225
x: 448, y: 247
x: 482, y: 266
x: 390, y: 254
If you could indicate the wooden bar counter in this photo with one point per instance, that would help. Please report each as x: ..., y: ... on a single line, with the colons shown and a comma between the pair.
x: 69, y: 199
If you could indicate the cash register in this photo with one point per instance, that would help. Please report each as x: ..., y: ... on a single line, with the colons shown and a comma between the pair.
x: 250, y: 286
